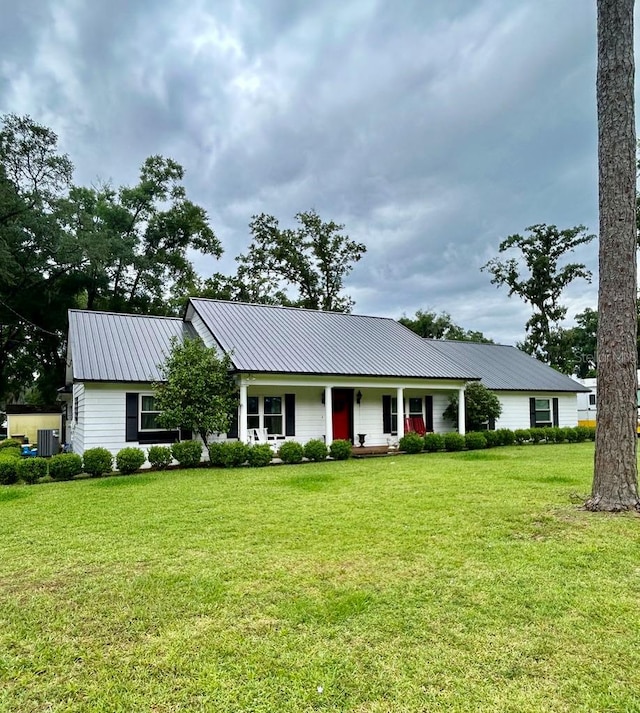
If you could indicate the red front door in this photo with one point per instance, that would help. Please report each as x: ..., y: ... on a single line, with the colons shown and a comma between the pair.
x: 342, y: 414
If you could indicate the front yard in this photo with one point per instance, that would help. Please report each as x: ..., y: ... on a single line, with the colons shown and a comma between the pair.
x: 437, y: 582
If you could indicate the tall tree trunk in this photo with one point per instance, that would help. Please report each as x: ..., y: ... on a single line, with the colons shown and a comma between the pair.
x: 615, y: 480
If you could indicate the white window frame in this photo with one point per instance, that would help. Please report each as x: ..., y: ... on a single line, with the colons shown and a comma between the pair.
x: 262, y: 416
x: 142, y: 411
x: 540, y: 423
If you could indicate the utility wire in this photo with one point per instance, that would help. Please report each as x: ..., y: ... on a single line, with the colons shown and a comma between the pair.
x: 24, y: 319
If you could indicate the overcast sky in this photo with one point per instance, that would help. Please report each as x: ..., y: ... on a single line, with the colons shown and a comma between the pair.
x: 432, y: 129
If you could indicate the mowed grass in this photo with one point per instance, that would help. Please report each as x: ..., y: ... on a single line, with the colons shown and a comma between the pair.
x: 448, y: 582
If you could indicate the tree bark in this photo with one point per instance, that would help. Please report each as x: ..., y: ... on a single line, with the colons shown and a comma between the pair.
x: 615, y: 481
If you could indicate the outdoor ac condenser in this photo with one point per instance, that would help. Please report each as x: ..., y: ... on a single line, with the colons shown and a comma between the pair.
x: 48, y: 442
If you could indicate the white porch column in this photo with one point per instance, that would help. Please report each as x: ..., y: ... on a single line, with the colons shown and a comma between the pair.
x: 242, y: 414
x: 461, y: 411
x: 400, y: 401
x: 328, y: 416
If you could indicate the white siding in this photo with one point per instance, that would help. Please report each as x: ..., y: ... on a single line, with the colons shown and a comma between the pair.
x: 79, y: 419
x: 202, y: 330
x: 515, y: 409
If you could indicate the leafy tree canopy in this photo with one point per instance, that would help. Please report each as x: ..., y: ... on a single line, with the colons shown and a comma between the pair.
x: 430, y: 325
x: 198, y: 391
x: 538, y: 278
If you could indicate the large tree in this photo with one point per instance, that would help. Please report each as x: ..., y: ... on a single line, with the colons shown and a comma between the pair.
x: 537, y: 276
x: 305, y: 266
x: 615, y: 481
x: 481, y: 406
x: 197, y: 391
x: 431, y: 325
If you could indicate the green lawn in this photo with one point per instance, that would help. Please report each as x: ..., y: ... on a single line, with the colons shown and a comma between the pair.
x: 449, y: 582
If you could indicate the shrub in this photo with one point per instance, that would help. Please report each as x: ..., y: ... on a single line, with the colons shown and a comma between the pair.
x: 536, y: 435
x: 340, y: 449
x: 30, y: 470
x: 474, y: 440
x: 453, y: 441
x: 234, y: 454
x: 316, y: 450
x: 582, y: 433
x: 522, y: 435
x: 11, y: 452
x: 128, y: 460
x: 558, y: 435
x: 549, y: 434
x: 160, y: 456
x: 433, y: 442
x: 64, y: 466
x: 492, y: 438
x: 570, y: 435
x: 10, y: 443
x: 291, y: 452
x: 591, y: 432
x: 9, y: 470
x: 97, y: 461
x: 260, y: 455
x: 187, y: 453
x: 411, y: 443
x: 507, y: 437
x: 215, y: 453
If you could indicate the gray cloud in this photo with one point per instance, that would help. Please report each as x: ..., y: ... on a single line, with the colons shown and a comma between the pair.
x: 431, y: 130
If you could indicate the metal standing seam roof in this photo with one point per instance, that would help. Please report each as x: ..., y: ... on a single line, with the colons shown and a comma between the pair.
x: 268, y: 339
x: 506, y: 368
x: 107, y: 346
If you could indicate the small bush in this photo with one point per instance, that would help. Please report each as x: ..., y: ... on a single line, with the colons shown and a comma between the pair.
x: 558, y: 435
x: 30, y: 470
x: 10, y: 443
x: 11, y: 453
x: 433, y: 442
x: 291, y: 452
x: 97, y: 461
x: 474, y: 440
x: 160, y: 456
x: 187, y: 453
x: 411, y: 443
x: 128, y: 460
x: 507, y: 437
x: 492, y: 438
x: 215, y: 454
x: 536, y: 435
x: 234, y: 454
x: 549, y: 434
x: 64, y: 466
x: 591, y: 432
x: 340, y: 449
x: 570, y: 435
x: 316, y: 450
x: 9, y: 470
x: 260, y: 455
x: 582, y: 434
x: 522, y: 435
x: 453, y: 441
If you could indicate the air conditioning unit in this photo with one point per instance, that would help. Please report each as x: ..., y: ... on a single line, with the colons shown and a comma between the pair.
x: 48, y: 442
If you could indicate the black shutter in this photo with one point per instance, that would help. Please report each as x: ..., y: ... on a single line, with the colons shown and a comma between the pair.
x: 532, y: 412
x: 492, y: 424
x: 428, y: 413
x: 386, y: 414
x: 289, y: 414
x: 556, y: 420
x: 131, y: 417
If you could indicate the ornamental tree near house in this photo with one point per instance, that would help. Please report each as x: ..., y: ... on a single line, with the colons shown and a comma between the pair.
x: 481, y: 405
x: 198, y: 391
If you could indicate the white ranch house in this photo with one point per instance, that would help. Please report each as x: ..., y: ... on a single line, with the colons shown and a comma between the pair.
x: 301, y: 374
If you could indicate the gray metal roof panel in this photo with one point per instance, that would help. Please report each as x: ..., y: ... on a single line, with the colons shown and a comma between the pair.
x: 506, y: 368
x: 264, y: 338
x: 106, y: 346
